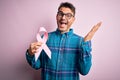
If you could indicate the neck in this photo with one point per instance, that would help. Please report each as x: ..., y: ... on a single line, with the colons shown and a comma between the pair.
x: 62, y: 32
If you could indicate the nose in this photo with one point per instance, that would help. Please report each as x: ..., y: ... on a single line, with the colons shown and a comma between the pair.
x: 63, y: 17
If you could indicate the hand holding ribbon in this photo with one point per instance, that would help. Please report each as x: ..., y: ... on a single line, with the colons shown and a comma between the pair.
x: 43, y: 46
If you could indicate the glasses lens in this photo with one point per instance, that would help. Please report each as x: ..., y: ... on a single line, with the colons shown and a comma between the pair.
x: 60, y: 14
x: 67, y: 15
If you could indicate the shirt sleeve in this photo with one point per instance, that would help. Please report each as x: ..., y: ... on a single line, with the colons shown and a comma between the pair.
x: 31, y: 60
x: 84, y: 60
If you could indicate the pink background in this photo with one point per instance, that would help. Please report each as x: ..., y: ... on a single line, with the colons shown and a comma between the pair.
x: 21, y: 19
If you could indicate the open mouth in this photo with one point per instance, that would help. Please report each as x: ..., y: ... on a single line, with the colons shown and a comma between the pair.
x: 63, y: 23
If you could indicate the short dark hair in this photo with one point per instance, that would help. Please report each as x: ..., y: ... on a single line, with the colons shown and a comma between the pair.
x: 67, y: 5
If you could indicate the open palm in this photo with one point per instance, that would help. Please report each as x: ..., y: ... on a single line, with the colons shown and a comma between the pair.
x: 92, y: 32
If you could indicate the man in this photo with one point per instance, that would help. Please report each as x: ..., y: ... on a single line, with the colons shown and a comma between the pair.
x: 70, y: 52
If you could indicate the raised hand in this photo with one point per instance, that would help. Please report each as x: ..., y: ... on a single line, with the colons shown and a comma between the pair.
x: 92, y: 32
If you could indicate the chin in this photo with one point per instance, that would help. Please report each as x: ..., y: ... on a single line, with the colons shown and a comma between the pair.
x: 62, y: 30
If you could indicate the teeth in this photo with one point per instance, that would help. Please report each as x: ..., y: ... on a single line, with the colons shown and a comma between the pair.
x: 63, y: 23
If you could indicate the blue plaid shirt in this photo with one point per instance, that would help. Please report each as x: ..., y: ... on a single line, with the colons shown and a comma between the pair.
x: 70, y: 56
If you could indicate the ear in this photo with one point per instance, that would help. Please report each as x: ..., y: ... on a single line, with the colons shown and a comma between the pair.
x: 73, y: 19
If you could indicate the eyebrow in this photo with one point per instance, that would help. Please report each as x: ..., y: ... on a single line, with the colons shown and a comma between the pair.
x: 65, y: 13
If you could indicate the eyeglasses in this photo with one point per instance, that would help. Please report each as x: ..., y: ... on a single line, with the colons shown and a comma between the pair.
x: 67, y: 15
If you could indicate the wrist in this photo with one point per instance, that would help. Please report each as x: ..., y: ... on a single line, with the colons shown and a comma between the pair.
x: 29, y: 52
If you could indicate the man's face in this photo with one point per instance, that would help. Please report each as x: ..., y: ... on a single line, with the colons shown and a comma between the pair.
x: 65, y: 18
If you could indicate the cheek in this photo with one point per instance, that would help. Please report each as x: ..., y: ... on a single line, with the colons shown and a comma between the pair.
x: 57, y: 19
x: 70, y: 23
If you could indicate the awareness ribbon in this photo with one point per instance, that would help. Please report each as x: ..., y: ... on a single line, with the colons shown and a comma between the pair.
x: 43, y: 46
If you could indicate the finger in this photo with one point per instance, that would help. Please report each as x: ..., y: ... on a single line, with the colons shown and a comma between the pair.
x: 96, y: 27
x: 39, y: 43
x: 34, y: 51
x: 99, y: 24
x: 35, y: 44
x: 36, y: 47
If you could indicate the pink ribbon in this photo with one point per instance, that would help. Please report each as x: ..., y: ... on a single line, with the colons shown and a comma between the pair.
x: 43, y: 40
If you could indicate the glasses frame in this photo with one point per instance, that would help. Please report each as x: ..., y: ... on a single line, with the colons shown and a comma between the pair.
x: 67, y: 15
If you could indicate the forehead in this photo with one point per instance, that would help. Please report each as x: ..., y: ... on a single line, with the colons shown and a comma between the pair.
x: 65, y: 10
